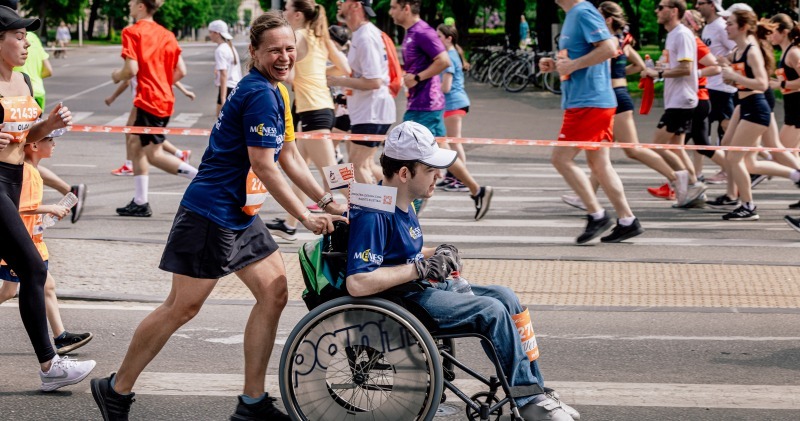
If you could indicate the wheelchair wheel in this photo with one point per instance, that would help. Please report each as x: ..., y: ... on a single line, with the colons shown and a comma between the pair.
x: 352, y: 359
x: 489, y: 399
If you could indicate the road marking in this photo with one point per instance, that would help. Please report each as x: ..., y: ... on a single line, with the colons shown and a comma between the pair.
x: 580, y: 223
x: 675, y: 338
x: 166, y: 193
x: 85, y: 91
x: 184, y: 120
x: 81, y: 115
x: 120, y: 306
x: 119, y: 121
x: 74, y: 165
x: 666, y: 395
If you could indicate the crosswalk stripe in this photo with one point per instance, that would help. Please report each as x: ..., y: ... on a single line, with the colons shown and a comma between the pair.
x: 80, y: 115
x: 184, y: 120
x: 119, y: 121
x: 670, y: 395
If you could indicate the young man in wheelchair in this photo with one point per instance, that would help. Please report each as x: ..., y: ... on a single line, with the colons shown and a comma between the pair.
x: 391, y: 255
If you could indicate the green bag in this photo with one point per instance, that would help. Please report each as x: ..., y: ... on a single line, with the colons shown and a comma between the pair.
x: 323, y: 272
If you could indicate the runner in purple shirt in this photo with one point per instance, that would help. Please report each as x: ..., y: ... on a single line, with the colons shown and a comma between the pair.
x: 424, y: 58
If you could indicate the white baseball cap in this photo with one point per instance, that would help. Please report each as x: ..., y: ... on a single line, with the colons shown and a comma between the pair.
x: 735, y: 8
x: 221, y: 28
x: 411, y: 141
x: 718, y: 6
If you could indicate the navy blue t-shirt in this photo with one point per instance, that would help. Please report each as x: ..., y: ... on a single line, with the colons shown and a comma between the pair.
x: 253, y: 115
x: 382, y: 239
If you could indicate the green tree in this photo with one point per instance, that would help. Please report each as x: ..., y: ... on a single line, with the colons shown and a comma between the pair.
x: 51, y: 12
x: 226, y: 10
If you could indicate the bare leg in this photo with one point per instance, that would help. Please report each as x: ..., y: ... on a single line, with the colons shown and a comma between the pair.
x: 51, y: 305
x: 625, y: 132
x: 600, y: 164
x: 563, y: 159
x: 184, y: 301
x: 746, y: 134
x: 266, y: 279
x: 8, y: 290
x: 162, y: 160
x: 361, y: 156
x: 453, y: 126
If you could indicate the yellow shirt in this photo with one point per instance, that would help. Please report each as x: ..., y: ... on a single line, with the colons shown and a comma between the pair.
x: 288, y: 122
x: 310, y: 83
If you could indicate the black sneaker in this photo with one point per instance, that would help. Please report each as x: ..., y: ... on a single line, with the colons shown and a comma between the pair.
x: 793, y: 222
x: 594, y: 228
x: 77, y: 210
x: 795, y: 205
x: 756, y: 179
x: 622, y: 233
x: 278, y: 227
x: 482, y: 201
x: 69, y: 342
x: 135, y: 210
x: 741, y: 214
x: 723, y: 202
x: 446, y: 181
x: 262, y: 410
x: 113, y: 406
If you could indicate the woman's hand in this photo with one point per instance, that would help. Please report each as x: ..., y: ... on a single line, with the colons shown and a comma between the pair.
x: 336, y: 208
x: 321, y: 224
x: 59, y: 118
x: 5, y: 139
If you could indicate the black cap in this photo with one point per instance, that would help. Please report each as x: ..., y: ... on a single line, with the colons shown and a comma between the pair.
x: 368, y: 7
x: 9, y: 19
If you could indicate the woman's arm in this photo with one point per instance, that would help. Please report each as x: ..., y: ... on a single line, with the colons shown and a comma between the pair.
x: 447, y: 82
x: 338, y: 58
x: 635, y: 62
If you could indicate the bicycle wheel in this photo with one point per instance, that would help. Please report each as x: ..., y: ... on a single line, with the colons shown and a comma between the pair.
x: 498, y: 67
x: 517, y: 76
x: 552, y: 82
x: 353, y: 359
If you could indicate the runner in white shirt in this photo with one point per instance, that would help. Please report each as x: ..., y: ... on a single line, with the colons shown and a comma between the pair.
x: 227, y: 66
x: 371, y: 107
x: 680, y: 97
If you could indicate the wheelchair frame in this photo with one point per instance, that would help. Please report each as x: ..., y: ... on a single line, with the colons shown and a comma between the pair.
x: 484, y: 405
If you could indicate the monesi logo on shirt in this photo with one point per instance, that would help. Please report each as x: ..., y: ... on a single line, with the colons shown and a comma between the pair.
x: 264, y: 131
x: 416, y: 258
x: 368, y: 256
x: 415, y: 232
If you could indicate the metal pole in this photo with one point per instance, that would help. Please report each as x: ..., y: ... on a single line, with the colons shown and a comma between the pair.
x: 80, y: 32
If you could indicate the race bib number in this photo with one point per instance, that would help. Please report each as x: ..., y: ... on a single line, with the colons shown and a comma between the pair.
x: 19, y: 114
x: 526, y: 334
x: 781, y: 74
x: 256, y: 193
x: 739, y: 68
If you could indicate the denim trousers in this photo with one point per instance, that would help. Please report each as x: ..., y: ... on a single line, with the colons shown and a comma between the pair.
x: 488, y: 312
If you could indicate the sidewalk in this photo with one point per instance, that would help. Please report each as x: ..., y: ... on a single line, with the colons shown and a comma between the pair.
x: 126, y: 271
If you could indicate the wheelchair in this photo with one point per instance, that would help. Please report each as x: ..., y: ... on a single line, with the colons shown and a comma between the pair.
x: 381, y: 357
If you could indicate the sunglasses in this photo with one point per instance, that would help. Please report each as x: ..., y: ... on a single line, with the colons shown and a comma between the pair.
x: 700, y: 3
x: 661, y: 7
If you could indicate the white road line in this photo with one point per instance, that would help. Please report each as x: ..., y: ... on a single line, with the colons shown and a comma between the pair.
x: 81, y: 115
x: 184, y: 120
x: 117, y: 307
x: 574, y: 222
x: 85, y: 91
x: 119, y: 121
x: 74, y: 165
x: 669, y: 395
x: 674, y: 338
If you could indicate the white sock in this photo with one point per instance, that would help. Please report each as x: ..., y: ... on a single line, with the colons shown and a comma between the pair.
x: 178, y: 153
x: 129, y: 163
x: 187, y: 171
x: 142, y: 183
x: 795, y: 176
x: 749, y: 205
x: 598, y: 215
x: 627, y: 221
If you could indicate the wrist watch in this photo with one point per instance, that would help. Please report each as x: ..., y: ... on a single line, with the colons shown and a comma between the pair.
x: 783, y: 84
x: 326, y: 200
x: 661, y: 74
x: 417, y: 79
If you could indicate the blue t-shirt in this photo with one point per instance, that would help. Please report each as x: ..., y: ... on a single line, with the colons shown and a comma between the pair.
x: 591, y: 86
x: 457, y: 97
x: 253, y: 115
x: 382, y: 239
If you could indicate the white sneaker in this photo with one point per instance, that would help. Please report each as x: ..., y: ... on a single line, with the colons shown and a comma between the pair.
x: 681, y: 186
x: 574, y: 201
x: 570, y: 410
x: 64, y: 372
x: 693, y: 193
x: 547, y: 409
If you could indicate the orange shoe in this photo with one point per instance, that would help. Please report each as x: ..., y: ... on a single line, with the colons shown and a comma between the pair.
x: 185, y: 155
x: 123, y: 170
x: 664, y: 192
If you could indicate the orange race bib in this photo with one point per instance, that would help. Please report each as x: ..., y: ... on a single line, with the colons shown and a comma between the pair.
x: 526, y: 334
x: 19, y: 114
x: 781, y: 74
x: 256, y: 194
x: 739, y: 68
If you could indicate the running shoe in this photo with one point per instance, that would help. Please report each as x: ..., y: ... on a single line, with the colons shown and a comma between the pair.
x: 80, y: 192
x: 482, y: 201
x: 574, y: 201
x: 693, y: 193
x: 278, y: 227
x: 701, y: 178
x: 718, y: 178
x: 68, y: 342
x: 552, y: 394
x: 741, y: 214
x: 681, y: 185
x: 313, y: 208
x: 664, y: 192
x: 698, y: 203
x: 723, y: 202
x: 457, y: 186
x: 795, y: 205
x: 132, y: 209
x: 544, y: 408
x: 186, y: 155
x: 594, y: 229
x: 123, y: 170
x: 756, y: 179
x: 445, y: 182
x: 262, y: 410
x: 113, y: 406
x: 621, y: 233
x: 793, y: 222
x: 64, y: 372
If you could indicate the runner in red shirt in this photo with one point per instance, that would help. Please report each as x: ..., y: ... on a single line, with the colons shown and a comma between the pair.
x: 152, y: 54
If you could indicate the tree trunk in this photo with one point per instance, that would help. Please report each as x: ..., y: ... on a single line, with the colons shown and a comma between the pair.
x: 633, y: 21
x: 515, y: 9
x: 92, y: 19
x: 43, y: 18
x: 546, y: 16
x: 461, y: 10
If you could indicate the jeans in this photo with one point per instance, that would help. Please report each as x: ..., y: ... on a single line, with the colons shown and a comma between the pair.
x: 488, y: 312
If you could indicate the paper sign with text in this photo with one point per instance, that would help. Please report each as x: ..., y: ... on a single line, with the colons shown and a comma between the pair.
x: 374, y: 197
x: 339, y: 176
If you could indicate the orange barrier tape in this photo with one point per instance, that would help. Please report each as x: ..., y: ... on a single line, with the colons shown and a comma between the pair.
x: 465, y: 140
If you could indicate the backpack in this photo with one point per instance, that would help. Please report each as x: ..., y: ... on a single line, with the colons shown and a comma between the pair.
x: 395, y: 71
x: 324, y: 270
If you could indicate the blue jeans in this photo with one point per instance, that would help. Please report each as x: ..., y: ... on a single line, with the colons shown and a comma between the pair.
x: 488, y: 312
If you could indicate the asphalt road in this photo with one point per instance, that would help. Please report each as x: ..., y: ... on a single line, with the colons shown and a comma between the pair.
x: 712, y: 364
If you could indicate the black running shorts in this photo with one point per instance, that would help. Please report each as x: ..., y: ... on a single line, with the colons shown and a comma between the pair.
x: 677, y: 120
x: 200, y: 248
x: 145, y: 119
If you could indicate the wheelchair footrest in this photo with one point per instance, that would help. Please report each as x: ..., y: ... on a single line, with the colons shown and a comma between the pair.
x: 520, y: 391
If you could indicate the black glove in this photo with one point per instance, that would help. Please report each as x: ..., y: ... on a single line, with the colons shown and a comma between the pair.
x: 437, y: 268
x: 449, y: 250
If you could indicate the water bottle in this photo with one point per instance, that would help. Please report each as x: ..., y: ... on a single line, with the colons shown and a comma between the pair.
x: 648, y: 62
x: 459, y: 284
x: 68, y: 201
